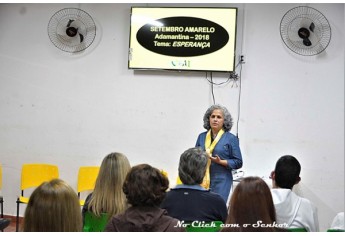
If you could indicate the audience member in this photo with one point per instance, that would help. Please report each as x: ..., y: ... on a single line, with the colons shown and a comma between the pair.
x: 295, y: 211
x: 189, y: 201
x: 251, y: 208
x: 53, y: 207
x: 145, y: 189
x: 222, y: 148
x: 107, y: 196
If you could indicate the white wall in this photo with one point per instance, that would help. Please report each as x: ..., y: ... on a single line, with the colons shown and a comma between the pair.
x: 295, y: 105
x: 72, y: 110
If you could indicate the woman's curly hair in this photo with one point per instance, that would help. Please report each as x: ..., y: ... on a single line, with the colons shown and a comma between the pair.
x: 227, y: 117
x: 145, y: 186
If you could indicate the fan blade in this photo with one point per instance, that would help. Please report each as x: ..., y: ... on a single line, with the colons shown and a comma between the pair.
x: 69, y: 23
x: 81, y: 37
x: 312, y: 27
x: 64, y: 37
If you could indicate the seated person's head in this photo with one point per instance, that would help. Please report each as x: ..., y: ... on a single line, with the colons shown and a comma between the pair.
x: 108, y: 195
x: 53, y: 207
x: 286, y: 172
x: 250, y: 203
x: 145, y: 186
x: 192, y: 166
x: 113, y: 170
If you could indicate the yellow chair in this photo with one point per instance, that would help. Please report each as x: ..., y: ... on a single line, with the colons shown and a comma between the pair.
x: 165, y: 173
x: 33, y: 175
x: 1, y: 197
x: 87, y: 176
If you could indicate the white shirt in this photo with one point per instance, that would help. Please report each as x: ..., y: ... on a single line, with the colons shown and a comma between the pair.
x: 338, y: 221
x: 295, y: 211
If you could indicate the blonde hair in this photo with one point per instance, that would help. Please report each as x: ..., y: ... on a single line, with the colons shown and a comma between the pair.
x: 108, y: 195
x: 53, y: 207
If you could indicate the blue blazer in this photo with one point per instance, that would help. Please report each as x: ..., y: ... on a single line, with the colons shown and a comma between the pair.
x: 227, y: 149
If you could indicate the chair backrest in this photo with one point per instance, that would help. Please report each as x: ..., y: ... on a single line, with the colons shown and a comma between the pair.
x: 87, y: 176
x: 34, y: 175
x: 213, y: 226
x: 92, y: 223
x: 165, y: 173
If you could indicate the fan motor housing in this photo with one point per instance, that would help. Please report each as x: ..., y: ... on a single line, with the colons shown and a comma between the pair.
x: 71, y: 31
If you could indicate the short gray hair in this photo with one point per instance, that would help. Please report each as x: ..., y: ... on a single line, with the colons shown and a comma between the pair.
x: 192, y: 166
x: 227, y: 117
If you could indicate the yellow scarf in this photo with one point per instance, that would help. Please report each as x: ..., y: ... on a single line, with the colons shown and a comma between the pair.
x: 209, y: 146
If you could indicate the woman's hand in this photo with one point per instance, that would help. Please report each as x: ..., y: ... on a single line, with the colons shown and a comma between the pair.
x: 219, y: 161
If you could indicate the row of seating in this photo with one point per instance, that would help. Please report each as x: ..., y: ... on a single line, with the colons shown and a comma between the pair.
x: 33, y: 175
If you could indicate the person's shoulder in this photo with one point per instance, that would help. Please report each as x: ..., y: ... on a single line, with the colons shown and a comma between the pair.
x: 214, y: 196
x: 170, y: 194
x: 174, y: 190
x: 280, y: 195
x: 307, y: 202
x: 284, y: 191
x: 165, y: 217
x: 211, y: 194
x: 184, y: 191
x: 112, y: 224
x: 174, y: 225
x: 230, y: 135
x: 195, y: 193
x: 203, y: 133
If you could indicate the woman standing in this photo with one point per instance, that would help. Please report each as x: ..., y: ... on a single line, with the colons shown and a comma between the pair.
x: 222, y: 148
